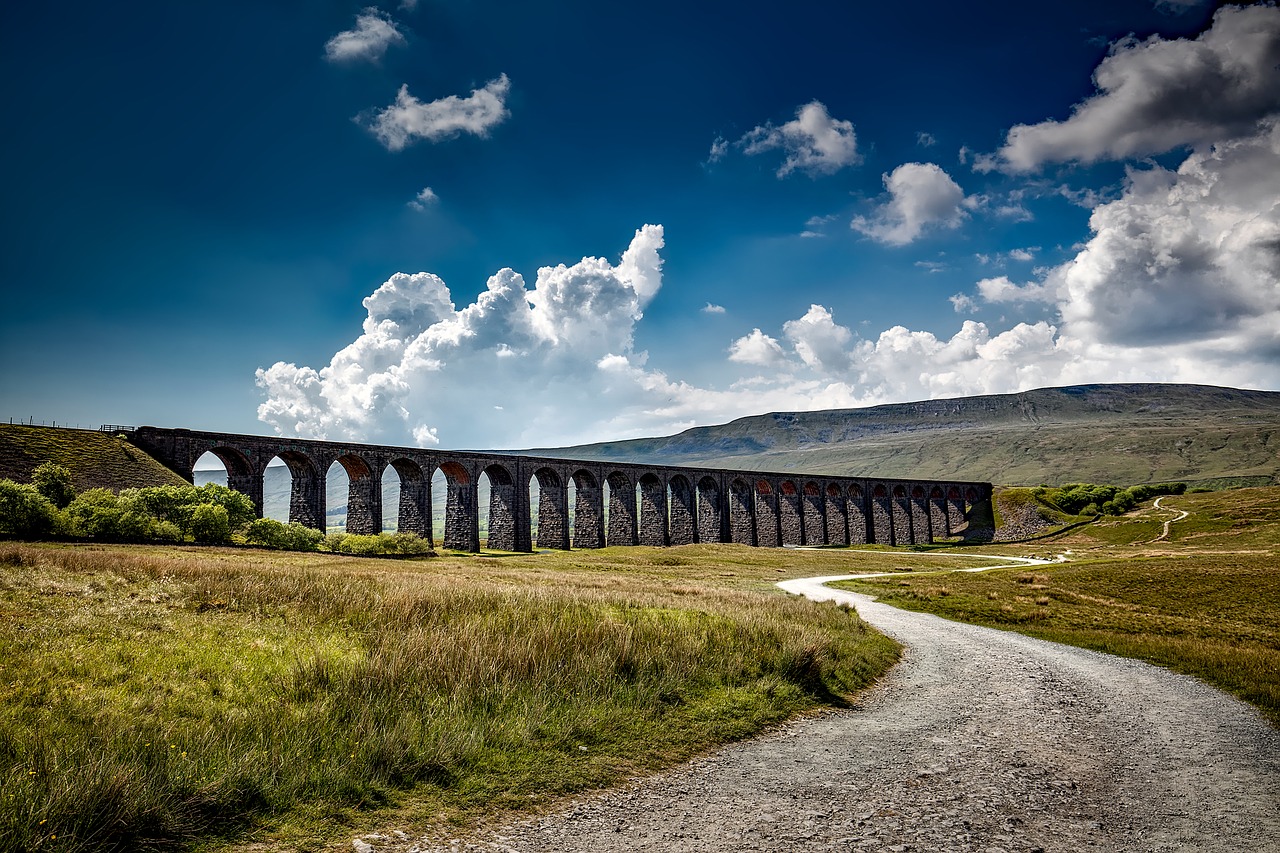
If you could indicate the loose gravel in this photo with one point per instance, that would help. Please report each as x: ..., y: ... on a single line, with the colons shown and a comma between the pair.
x: 979, y: 740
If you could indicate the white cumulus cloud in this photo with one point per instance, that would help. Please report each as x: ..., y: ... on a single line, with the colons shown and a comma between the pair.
x: 374, y: 32
x: 921, y: 196
x: 420, y: 364
x: 813, y: 142
x: 410, y: 119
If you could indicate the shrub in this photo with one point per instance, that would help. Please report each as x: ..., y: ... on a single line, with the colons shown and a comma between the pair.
x: 210, y: 524
x: 269, y: 533
x: 54, y: 482
x: 383, y: 544
x: 25, y: 513
x: 102, y: 514
x: 177, y: 504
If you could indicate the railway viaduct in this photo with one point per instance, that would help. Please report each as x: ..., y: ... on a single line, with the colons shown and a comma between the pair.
x: 646, y: 504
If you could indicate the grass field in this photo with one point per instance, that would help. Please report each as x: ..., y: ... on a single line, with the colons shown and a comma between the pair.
x: 156, y: 696
x: 170, y: 697
x: 1205, y: 601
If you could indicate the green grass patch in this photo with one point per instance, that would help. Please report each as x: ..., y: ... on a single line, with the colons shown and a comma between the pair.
x: 167, y: 696
x: 1205, y: 602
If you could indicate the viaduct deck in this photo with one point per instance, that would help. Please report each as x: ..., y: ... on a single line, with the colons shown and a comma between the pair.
x: 614, y: 503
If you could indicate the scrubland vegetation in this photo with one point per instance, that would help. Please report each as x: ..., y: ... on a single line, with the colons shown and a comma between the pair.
x: 154, y: 696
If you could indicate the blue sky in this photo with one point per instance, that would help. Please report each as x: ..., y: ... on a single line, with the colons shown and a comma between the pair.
x: 206, y: 210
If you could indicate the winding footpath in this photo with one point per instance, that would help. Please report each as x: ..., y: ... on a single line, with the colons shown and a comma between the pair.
x: 979, y: 740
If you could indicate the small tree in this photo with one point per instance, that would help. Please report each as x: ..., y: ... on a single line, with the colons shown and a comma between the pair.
x: 27, y: 514
x: 54, y: 482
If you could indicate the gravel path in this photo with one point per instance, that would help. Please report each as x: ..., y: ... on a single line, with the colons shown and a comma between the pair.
x: 980, y: 740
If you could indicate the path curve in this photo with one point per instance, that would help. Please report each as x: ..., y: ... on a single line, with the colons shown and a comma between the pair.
x: 1182, y: 514
x: 979, y: 740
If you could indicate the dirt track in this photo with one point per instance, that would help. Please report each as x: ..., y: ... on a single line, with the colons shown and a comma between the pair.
x: 980, y: 740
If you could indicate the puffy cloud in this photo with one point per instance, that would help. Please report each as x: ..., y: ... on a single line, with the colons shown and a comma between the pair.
x: 1186, y: 255
x: 819, y: 340
x: 963, y: 303
x: 1157, y: 95
x: 409, y: 119
x: 1001, y: 289
x: 425, y: 197
x: 373, y: 34
x: 921, y: 196
x: 712, y: 308
x: 813, y: 141
x: 756, y: 348
x: 419, y: 364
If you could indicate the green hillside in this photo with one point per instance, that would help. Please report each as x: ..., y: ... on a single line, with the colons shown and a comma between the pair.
x: 1108, y: 433
x: 95, y: 459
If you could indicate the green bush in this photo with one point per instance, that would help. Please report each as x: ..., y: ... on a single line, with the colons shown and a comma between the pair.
x: 210, y: 524
x: 383, y: 544
x: 54, y: 482
x: 1092, y: 498
x: 177, y: 504
x: 102, y: 514
x: 25, y: 513
x: 269, y: 533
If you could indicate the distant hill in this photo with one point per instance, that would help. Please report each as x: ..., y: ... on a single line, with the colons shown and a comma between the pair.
x: 1127, y: 434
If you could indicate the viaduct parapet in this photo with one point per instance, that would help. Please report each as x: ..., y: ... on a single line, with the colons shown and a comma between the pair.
x: 646, y: 504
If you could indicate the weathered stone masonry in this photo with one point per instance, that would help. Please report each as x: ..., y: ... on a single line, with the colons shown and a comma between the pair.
x: 647, y: 504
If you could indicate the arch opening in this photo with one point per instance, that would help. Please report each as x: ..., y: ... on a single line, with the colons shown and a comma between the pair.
x: 363, y: 504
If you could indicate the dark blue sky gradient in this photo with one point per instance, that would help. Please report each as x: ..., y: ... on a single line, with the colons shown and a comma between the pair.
x: 187, y: 197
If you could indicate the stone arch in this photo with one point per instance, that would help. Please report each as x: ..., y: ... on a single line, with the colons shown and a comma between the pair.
x: 504, y: 510
x: 856, y: 508
x: 956, y: 518
x: 900, y: 507
x: 241, y: 475
x: 588, y: 510
x: 790, y: 514
x: 461, y: 511
x: 742, y: 528
x: 881, y: 515
x: 837, y: 516
x: 307, y: 490
x: 815, y: 525
x: 938, y: 522
x: 681, y: 502
x: 767, y: 515
x: 621, y: 517
x: 710, y: 508
x: 413, y: 509
x: 921, y: 528
x: 553, y: 509
x: 653, y: 510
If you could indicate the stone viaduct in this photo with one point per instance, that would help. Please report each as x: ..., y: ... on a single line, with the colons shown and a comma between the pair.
x: 646, y: 504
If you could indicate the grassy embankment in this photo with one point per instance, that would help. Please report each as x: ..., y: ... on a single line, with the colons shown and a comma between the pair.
x: 95, y: 459
x: 157, y: 696
x: 1205, y: 602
